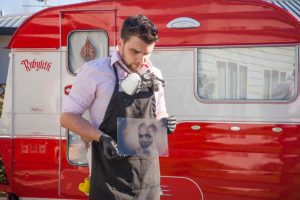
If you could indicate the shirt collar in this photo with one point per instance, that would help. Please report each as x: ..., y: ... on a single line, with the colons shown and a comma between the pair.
x: 116, y: 58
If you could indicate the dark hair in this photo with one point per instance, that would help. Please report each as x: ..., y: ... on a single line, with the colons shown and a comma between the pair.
x: 140, y: 26
x: 153, y: 127
x: 141, y: 125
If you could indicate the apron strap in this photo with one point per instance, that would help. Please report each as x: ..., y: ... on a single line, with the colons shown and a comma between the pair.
x: 117, y: 78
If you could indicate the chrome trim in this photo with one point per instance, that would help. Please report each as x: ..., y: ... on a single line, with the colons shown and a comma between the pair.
x: 234, y: 122
x: 277, y: 130
x: 195, y: 127
x: 235, y: 128
x: 5, y: 136
x: 54, y: 137
x: 182, y: 177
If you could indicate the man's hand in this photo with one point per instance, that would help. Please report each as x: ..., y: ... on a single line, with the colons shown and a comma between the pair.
x: 109, y: 147
x: 169, y: 123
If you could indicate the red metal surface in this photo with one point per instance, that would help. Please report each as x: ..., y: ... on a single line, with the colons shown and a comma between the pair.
x: 222, y: 22
x: 71, y: 176
x: 253, y: 163
x: 5, y: 188
x: 88, y: 20
x: 42, y: 30
x: 35, y: 164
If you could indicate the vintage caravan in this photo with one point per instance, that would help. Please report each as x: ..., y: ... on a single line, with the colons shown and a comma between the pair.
x: 232, y: 80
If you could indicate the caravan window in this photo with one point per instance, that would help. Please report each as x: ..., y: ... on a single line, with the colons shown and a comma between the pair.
x: 77, y: 147
x: 84, y: 46
x: 252, y: 73
x: 77, y: 153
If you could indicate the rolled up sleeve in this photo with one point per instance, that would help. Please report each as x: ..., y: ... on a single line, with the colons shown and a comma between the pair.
x: 82, y: 93
x: 161, y: 110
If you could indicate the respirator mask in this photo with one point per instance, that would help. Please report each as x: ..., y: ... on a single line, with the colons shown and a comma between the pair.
x: 135, y: 82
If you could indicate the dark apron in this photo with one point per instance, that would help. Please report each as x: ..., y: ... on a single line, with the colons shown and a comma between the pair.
x: 129, y: 178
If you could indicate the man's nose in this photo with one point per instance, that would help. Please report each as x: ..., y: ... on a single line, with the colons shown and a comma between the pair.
x: 142, y: 60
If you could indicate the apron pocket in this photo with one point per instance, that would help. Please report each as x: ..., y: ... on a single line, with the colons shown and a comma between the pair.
x: 135, y: 173
x: 149, y: 172
x: 125, y: 174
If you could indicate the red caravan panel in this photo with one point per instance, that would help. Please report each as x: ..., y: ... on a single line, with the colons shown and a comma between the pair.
x: 72, y: 20
x: 31, y: 166
x: 42, y: 30
x: 222, y: 22
x: 253, y: 163
x: 229, y: 22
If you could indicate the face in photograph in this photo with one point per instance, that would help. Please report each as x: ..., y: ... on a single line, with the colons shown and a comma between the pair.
x: 146, y: 136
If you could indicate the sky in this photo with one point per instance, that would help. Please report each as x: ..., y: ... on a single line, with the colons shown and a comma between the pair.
x: 18, y: 7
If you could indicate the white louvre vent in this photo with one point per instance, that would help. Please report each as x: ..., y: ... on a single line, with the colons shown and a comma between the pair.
x: 293, y: 6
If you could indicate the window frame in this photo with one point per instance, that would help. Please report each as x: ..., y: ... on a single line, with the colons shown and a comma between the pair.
x: 69, y: 71
x: 68, y: 134
x: 68, y: 65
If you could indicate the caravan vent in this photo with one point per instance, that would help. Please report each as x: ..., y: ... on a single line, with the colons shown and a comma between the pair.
x: 183, y: 22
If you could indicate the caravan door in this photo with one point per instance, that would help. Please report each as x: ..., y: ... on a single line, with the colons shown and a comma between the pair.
x: 85, y: 35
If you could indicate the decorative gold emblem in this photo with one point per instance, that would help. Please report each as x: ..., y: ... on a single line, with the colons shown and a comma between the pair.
x: 87, y: 51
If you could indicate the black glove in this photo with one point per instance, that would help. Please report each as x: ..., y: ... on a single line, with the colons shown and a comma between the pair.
x: 109, y: 147
x: 169, y: 123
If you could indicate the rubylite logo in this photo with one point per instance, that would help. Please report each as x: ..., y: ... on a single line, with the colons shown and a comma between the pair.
x: 36, y: 65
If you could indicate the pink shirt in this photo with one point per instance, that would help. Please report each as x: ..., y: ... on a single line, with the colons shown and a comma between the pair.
x: 94, y: 85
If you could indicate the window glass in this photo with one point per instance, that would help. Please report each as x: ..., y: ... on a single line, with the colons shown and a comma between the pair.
x: 252, y: 73
x: 221, y: 79
x: 243, y: 82
x: 84, y: 46
x: 77, y: 149
x: 267, y: 84
x: 232, y: 77
x: 275, y: 79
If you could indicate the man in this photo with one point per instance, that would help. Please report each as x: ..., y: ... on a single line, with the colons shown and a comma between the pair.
x: 97, y: 89
x: 146, y: 138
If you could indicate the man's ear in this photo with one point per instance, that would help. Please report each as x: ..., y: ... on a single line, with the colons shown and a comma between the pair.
x: 120, y: 44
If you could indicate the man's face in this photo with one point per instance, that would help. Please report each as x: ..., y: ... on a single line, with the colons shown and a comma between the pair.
x: 135, y: 52
x: 145, y: 137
